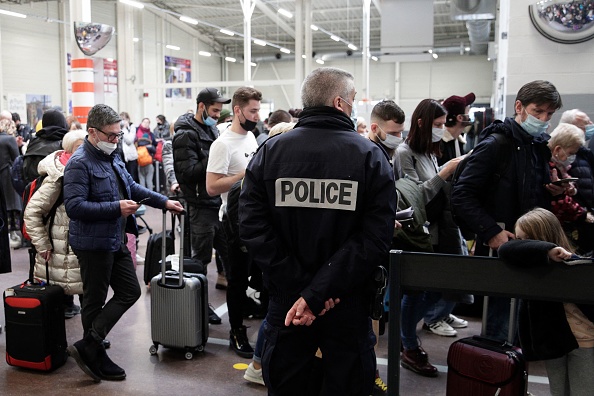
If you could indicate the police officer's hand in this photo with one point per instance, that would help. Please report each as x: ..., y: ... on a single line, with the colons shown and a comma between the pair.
x: 328, y: 305
x: 300, y: 314
x: 500, y: 239
x: 174, y: 206
x: 128, y: 207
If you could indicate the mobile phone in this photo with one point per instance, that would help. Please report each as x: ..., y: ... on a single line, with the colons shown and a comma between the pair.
x: 143, y: 200
x: 566, y: 180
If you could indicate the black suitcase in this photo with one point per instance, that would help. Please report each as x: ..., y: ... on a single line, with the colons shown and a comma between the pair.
x: 152, y: 258
x: 35, y: 327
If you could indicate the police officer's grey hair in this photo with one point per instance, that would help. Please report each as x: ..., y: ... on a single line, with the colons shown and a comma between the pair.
x: 322, y: 85
x: 102, y: 115
x: 569, y: 116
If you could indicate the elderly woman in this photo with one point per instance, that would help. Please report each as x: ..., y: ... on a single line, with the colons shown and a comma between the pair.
x: 47, y: 224
x: 8, y: 152
x: 570, y: 208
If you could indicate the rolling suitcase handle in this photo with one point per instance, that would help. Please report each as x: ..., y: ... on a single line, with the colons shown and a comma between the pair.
x: 181, y: 248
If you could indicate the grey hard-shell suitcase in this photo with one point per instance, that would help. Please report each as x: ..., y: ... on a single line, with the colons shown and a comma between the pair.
x: 179, y: 307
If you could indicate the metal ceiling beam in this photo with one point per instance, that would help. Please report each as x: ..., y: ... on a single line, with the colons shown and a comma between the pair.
x: 273, y: 15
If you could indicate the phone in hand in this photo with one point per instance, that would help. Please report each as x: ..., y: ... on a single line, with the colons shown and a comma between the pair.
x: 563, y: 181
x: 143, y: 200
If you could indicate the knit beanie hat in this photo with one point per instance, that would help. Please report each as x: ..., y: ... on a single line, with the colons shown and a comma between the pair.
x: 54, y: 118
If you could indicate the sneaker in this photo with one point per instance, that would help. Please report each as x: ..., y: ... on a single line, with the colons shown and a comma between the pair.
x: 139, y: 259
x: 417, y: 361
x: 379, y: 387
x: 254, y: 375
x: 455, y: 322
x: 440, y: 328
x: 15, y: 240
x: 239, y: 342
x: 213, y: 318
x: 71, y: 311
x: 221, y: 282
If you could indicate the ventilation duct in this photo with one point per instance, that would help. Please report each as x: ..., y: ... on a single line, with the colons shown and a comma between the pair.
x: 477, y: 14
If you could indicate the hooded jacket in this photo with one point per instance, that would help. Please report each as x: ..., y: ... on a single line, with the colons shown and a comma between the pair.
x: 191, y: 147
x: 47, y: 140
x: 519, y: 189
x: 64, y: 269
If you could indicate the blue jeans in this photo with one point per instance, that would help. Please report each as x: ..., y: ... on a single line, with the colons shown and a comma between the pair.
x: 439, y: 311
x: 413, y: 309
x: 259, y: 344
x: 99, y: 270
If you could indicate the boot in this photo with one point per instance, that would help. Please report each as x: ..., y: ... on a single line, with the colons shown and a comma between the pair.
x: 417, y: 361
x: 239, y: 342
x: 109, y: 370
x: 88, y: 355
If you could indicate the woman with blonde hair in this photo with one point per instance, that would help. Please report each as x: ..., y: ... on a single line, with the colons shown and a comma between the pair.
x: 561, y: 334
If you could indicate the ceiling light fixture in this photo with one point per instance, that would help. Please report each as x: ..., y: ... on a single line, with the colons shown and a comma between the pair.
x: 353, y: 47
x: 204, y: 53
x: 304, y: 56
x: 285, y: 50
x: 252, y: 64
x: 133, y: 3
x: 435, y: 56
x: 186, y: 19
x: 314, y: 27
x: 14, y: 14
x: 260, y: 42
x: 286, y: 13
x: 374, y: 58
x: 321, y: 62
x: 230, y: 59
x: 227, y: 32
x: 335, y: 38
x: 172, y: 47
x: 135, y: 39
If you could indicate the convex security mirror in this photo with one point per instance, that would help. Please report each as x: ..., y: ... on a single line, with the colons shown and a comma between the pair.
x: 92, y: 37
x: 567, y: 22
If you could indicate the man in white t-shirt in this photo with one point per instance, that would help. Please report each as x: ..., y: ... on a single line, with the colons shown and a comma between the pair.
x: 229, y: 156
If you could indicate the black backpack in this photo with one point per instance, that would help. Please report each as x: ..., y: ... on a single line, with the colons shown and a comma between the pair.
x: 17, y: 176
x: 504, y: 154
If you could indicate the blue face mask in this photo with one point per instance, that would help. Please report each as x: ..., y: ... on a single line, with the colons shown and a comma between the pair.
x: 534, y: 126
x: 589, y: 131
x: 208, y: 120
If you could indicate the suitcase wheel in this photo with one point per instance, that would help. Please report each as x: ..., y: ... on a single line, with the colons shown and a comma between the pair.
x: 200, y: 348
x: 189, y: 355
x: 153, y: 349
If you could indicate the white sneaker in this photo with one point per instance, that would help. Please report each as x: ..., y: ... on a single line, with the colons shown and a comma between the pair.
x: 441, y: 328
x: 139, y: 259
x: 455, y: 322
x: 253, y: 375
x: 15, y: 240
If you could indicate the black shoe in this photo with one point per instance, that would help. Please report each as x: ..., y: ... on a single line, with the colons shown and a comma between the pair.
x: 106, y: 343
x: 213, y: 318
x: 110, y: 371
x: 253, y: 310
x: 87, y: 353
x: 239, y: 342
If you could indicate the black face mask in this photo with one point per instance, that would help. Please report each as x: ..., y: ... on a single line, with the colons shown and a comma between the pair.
x: 248, y: 125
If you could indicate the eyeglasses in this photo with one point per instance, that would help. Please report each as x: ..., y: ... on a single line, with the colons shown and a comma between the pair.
x: 111, y: 137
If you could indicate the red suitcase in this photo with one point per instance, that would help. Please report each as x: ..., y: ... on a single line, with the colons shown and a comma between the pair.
x: 480, y: 366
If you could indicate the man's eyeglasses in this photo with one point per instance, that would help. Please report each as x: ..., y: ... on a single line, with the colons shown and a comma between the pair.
x: 111, y: 137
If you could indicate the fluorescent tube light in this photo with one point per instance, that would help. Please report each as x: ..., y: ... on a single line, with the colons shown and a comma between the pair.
x: 260, y: 42
x: 172, y: 47
x: 285, y: 50
x: 186, y: 19
x: 229, y: 59
x: 284, y: 12
x: 133, y: 3
x: 227, y: 32
x: 14, y: 14
x: 204, y: 53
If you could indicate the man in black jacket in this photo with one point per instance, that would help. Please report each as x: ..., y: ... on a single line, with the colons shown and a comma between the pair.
x: 317, y: 213
x: 191, y: 146
x: 490, y: 204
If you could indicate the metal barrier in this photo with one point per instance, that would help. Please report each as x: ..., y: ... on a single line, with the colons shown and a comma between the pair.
x: 482, y: 276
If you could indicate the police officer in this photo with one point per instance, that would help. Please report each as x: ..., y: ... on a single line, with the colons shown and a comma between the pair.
x: 317, y: 215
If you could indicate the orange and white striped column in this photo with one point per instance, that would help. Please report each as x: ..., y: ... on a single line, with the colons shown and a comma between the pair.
x: 83, y: 88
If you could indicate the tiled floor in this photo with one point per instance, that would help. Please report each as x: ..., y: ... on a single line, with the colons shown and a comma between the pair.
x: 209, y: 373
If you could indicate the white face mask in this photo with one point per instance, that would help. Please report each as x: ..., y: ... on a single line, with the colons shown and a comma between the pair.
x: 437, y: 134
x: 391, y: 141
x: 107, y: 147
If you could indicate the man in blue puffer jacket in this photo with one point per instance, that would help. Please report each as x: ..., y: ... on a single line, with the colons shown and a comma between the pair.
x: 101, y: 198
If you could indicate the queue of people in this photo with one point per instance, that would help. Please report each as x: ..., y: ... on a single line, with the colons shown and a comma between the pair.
x: 313, y: 222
